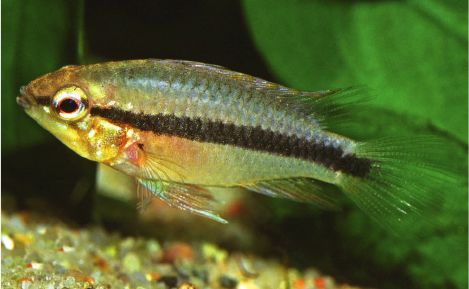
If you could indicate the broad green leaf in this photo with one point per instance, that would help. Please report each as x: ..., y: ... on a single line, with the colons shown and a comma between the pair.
x: 35, y: 40
x: 414, y: 53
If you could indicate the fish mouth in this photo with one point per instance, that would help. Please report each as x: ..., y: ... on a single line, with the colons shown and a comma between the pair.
x: 24, y: 100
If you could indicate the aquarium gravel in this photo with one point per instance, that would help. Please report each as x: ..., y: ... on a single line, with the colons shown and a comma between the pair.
x: 39, y: 253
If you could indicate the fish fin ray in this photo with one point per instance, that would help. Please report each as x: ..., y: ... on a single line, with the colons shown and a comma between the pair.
x: 330, y: 108
x: 193, y: 64
x: 192, y: 198
x: 144, y: 197
x: 406, y: 181
x: 304, y: 190
x: 160, y: 168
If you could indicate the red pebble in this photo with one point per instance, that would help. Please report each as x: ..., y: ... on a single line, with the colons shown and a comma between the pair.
x: 299, y: 284
x: 319, y: 283
x: 100, y: 262
x: 178, y: 251
x: 88, y: 279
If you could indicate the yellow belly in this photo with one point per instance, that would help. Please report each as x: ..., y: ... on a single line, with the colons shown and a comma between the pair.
x: 187, y: 161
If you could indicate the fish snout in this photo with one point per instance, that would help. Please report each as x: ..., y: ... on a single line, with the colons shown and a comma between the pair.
x: 23, y: 89
x: 24, y: 100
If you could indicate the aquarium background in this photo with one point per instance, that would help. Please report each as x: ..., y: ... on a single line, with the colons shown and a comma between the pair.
x: 412, y: 54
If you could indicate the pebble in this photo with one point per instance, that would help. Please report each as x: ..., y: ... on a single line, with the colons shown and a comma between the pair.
x: 138, y: 277
x: 8, y: 242
x: 87, y: 260
x: 182, y: 271
x: 111, y: 251
x: 247, y: 268
x: 66, y: 249
x: 25, y: 284
x: 200, y: 273
x: 178, y: 251
x: 41, y: 229
x: 187, y: 286
x: 131, y: 262
x: 227, y: 282
x: 127, y: 243
x: 212, y: 252
x: 17, y: 222
x: 153, y: 246
x: 35, y: 265
x: 170, y: 281
x: 69, y: 282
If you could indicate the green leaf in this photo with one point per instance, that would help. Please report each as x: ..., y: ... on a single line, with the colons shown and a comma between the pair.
x: 36, y: 36
x: 413, y: 53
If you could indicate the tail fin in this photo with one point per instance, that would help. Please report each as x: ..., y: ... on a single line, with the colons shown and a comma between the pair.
x: 406, y: 179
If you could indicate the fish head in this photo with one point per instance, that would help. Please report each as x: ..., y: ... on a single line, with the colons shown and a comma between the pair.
x: 61, y: 103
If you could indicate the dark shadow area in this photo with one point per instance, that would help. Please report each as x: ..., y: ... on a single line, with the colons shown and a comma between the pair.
x: 50, y: 179
x: 208, y: 31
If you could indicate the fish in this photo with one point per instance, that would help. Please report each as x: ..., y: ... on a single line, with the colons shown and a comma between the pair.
x: 182, y: 128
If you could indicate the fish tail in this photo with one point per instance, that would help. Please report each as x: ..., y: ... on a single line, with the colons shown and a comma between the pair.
x: 406, y: 179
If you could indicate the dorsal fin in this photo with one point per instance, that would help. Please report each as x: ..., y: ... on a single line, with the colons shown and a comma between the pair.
x: 194, y: 64
x: 332, y: 107
x: 326, y: 107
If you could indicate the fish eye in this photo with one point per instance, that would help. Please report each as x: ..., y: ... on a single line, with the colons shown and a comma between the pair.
x: 70, y: 103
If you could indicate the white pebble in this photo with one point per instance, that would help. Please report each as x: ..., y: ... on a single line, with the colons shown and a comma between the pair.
x: 8, y: 242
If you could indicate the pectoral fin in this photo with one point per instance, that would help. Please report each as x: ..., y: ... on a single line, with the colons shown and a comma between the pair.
x: 195, y: 199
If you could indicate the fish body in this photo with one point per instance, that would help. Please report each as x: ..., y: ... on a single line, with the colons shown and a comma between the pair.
x: 182, y: 127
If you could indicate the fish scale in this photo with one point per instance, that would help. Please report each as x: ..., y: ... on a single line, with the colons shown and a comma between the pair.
x: 206, y: 97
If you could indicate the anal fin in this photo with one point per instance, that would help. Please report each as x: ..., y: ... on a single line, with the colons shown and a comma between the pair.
x: 192, y: 198
x: 305, y: 190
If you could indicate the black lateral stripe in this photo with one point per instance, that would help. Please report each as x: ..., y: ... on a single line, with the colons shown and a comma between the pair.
x: 254, y: 138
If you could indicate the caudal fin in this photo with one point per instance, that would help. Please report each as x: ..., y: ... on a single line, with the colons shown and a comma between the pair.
x: 406, y: 180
